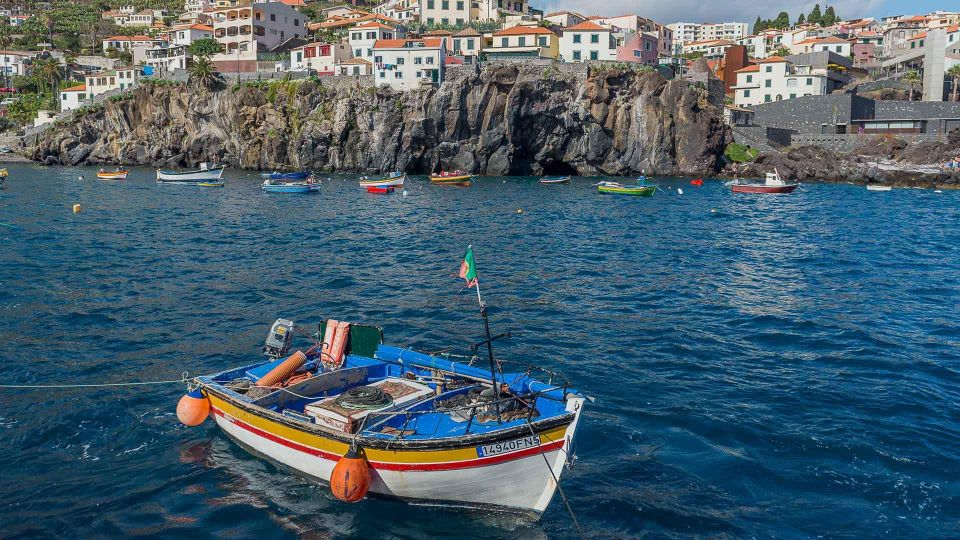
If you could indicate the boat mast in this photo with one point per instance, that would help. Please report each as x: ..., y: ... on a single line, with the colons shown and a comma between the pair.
x: 489, y: 342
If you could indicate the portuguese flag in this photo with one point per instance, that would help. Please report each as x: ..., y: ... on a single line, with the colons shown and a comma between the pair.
x: 468, y: 268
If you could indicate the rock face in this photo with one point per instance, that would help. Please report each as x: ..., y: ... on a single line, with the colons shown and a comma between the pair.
x: 507, y: 119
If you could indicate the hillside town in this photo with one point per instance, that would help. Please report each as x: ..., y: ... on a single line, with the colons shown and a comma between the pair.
x: 60, y: 57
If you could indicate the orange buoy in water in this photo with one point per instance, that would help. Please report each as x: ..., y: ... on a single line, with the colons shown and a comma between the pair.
x: 193, y: 408
x: 697, y: 182
x: 283, y: 371
x: 350, y: 479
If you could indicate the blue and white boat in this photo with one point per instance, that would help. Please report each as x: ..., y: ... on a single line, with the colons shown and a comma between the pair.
x: 275, y: 175
x: 278, y: 186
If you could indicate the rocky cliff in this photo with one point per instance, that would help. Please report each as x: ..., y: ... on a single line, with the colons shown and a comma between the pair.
x: 507, y: 119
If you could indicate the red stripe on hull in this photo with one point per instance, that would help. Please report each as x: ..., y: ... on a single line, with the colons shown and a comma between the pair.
x: 764, y: 189
x: 479, y: 462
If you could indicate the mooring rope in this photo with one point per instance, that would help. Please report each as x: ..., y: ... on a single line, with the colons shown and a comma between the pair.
x: 184, y: 379
x: 560, y: 489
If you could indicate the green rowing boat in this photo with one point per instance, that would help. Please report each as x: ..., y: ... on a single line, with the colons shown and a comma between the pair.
x: 618, y: 189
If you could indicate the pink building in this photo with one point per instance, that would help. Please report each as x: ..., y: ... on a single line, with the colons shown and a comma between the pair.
x: 639, y: 48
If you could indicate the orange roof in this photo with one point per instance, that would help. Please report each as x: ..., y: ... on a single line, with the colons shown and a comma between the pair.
x: 341, y: 22
x: 293, y: 2
x: 374, y: 24
x: 77, y: 88
x: 438, y: 33
x: 748, y: 69
x: 524, y: 31
x: 200, y: 27
x: 772, y: 60
x: 915, y: 18
x: 356, y: 61
x: 704, y: 42
x: 586, y: 26
x: 399, y: 43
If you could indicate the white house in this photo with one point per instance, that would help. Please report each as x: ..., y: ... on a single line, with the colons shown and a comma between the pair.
x: 196, y: 6
x: 141, y: 18
x: 71, y: 98
x: 246, y: 30
x: 185, y: 35
x: 776, y: 79
x: 587, y: 41
x: 467, y: 42
x: 564, y: 19
x: 362, y: 37
x: 320, y: 57
x: 165, y: 58
x: 14, y: 63
x: 831, y: 43
x: 406, y: 64
x: 709, y: 49
x: 126, y: 43
x: 354, y: 66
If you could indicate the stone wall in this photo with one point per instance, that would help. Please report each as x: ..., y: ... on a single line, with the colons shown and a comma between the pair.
x: 808, y: 113
x: 851, y: 141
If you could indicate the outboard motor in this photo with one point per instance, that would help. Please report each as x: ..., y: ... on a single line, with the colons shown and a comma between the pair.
x: 278, y: 340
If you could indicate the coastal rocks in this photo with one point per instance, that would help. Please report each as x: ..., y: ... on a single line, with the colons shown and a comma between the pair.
x: 505, y: 119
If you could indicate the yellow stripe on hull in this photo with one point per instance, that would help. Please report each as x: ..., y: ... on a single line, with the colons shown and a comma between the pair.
x: 450, y: 179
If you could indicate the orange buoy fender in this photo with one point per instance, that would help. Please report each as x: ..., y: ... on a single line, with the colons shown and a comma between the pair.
x: 193, y: 409
x: 286, y: 368
x: 697, y: 182
x: 350, y: 479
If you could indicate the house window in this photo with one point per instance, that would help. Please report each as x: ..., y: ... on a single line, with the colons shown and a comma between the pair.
x: 749, y: 78
x: 460, y: 6
x: 576, y: 55
x: 746, y: 93
x: 522, y: 41
x: 809, y: 81
x: 273, y: 17
x: 383, y: 74
x: 371, y: 35
x: 445, y: 5
x: 400, y: 61
x: 356, y: 52
x: 430, y: 4
x: 594, y: 38
x: 647, y: 45
x: 459, y: 21
x: 792, y: 96
x: 769, y: 69
x: 791, y: 83
x: 576, y: 38
x: 470, y: 44
x: 504, y: 42
x: 378, y: 60
x: 418, y: 60
x: 766, y: 98
x: 429, y: 60
x: 779, y: 97
x: 397, y: 74
x: 767, y: 83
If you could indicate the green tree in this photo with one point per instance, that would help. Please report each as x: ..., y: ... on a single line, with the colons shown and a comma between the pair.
x: 780, y: 51
x: 954, y: 74
x: 204, y: 48
x: 829, y: 17
x: 782, y: 21
x: 912, y: 80
x: 758, y: 26
x: 815, y: 15
x: 203, y: 73
x: 801, y: 20
x: 6, y: 39
x: 48, y: 74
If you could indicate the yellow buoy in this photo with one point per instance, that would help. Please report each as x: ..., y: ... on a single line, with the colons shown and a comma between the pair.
x: 350, y: 478
x: 193, y: 408
x: 76, y: 209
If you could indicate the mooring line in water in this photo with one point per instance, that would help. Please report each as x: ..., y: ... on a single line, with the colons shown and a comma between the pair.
x: 557, y: 482
x: 185, y: 378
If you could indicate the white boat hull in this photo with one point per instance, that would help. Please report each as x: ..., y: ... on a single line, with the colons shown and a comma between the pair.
x: 519, y: 481
x: 388, y: 182
x: 189, y: 177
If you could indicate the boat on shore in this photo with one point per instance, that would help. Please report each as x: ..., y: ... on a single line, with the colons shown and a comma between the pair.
x: 310, y: 185
x: 367, y: 418
x: 878, y: 187
x: 118, y: 174
x: 276, y: 175
x: 555, y: 180
x: 641, y: 189
x: 394, y: 179
x: 451, y: 177
x: 772, y: 183
x: 196, y: 176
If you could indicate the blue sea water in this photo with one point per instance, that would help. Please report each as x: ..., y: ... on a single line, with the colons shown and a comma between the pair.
x: 763, y: 366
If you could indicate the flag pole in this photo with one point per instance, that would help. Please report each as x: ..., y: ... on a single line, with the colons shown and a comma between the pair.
x: 486, y: 327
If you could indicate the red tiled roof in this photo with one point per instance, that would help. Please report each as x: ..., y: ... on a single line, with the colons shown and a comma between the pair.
x: 772, y: 60
x: 748, y: 69
x: 399, y: 43
x: 586, y: 26
x: 524, y: 31
x: 374, y: 24
x: 77, y: 88
x: 129, y: 38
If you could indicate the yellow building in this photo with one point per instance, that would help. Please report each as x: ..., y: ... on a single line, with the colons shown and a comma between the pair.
x: 523, y: 42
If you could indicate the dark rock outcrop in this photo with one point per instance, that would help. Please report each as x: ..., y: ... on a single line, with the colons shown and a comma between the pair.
x: 507, y: 119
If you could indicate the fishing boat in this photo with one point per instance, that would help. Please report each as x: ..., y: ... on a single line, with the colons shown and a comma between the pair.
x: 878, y: 187
x: 197, y: 176
x: 4, y: 173
x: 118, y: 174
x: 451, y: 177
x: 282, y: 186
x: 394, y: 179
x: 641, y: 189
x: 275, y: 175
x: 382, y: 190
x: 219, y: 183
x: 772, y: 183
x: 372, y: 419
x: 555, y: 180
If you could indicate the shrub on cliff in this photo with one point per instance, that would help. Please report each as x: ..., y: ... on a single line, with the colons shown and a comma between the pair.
x: 740, y: 153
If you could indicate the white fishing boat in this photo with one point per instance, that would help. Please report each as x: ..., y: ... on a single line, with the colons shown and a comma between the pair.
x: 394, y: 179
x: 197, y: 176
x: 877, y: 187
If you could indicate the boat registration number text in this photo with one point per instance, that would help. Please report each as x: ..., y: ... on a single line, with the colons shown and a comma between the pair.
x: 508, y: 446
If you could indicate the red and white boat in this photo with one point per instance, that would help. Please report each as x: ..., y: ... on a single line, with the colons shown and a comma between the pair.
x: 772, y: 183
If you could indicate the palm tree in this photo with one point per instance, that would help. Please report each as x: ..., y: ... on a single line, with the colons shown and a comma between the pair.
x: 50, y: 73
x: 954, y: 74
x: 203, y: 73
x: 912, y: 80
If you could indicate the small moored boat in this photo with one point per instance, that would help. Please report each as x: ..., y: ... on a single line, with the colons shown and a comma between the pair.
x: 772, y: 183
x: 276, y: 175
x: 394, y: 179
x: 368, y: 418
x: 641, y: 189
x: 555, y: 180
x: 118, y: 174
x: 878, y: 187
x: 279, y: 186
x: 211, y: 184
x: 382, y: 190
x: 451, y: 177
x: 197, y: 176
